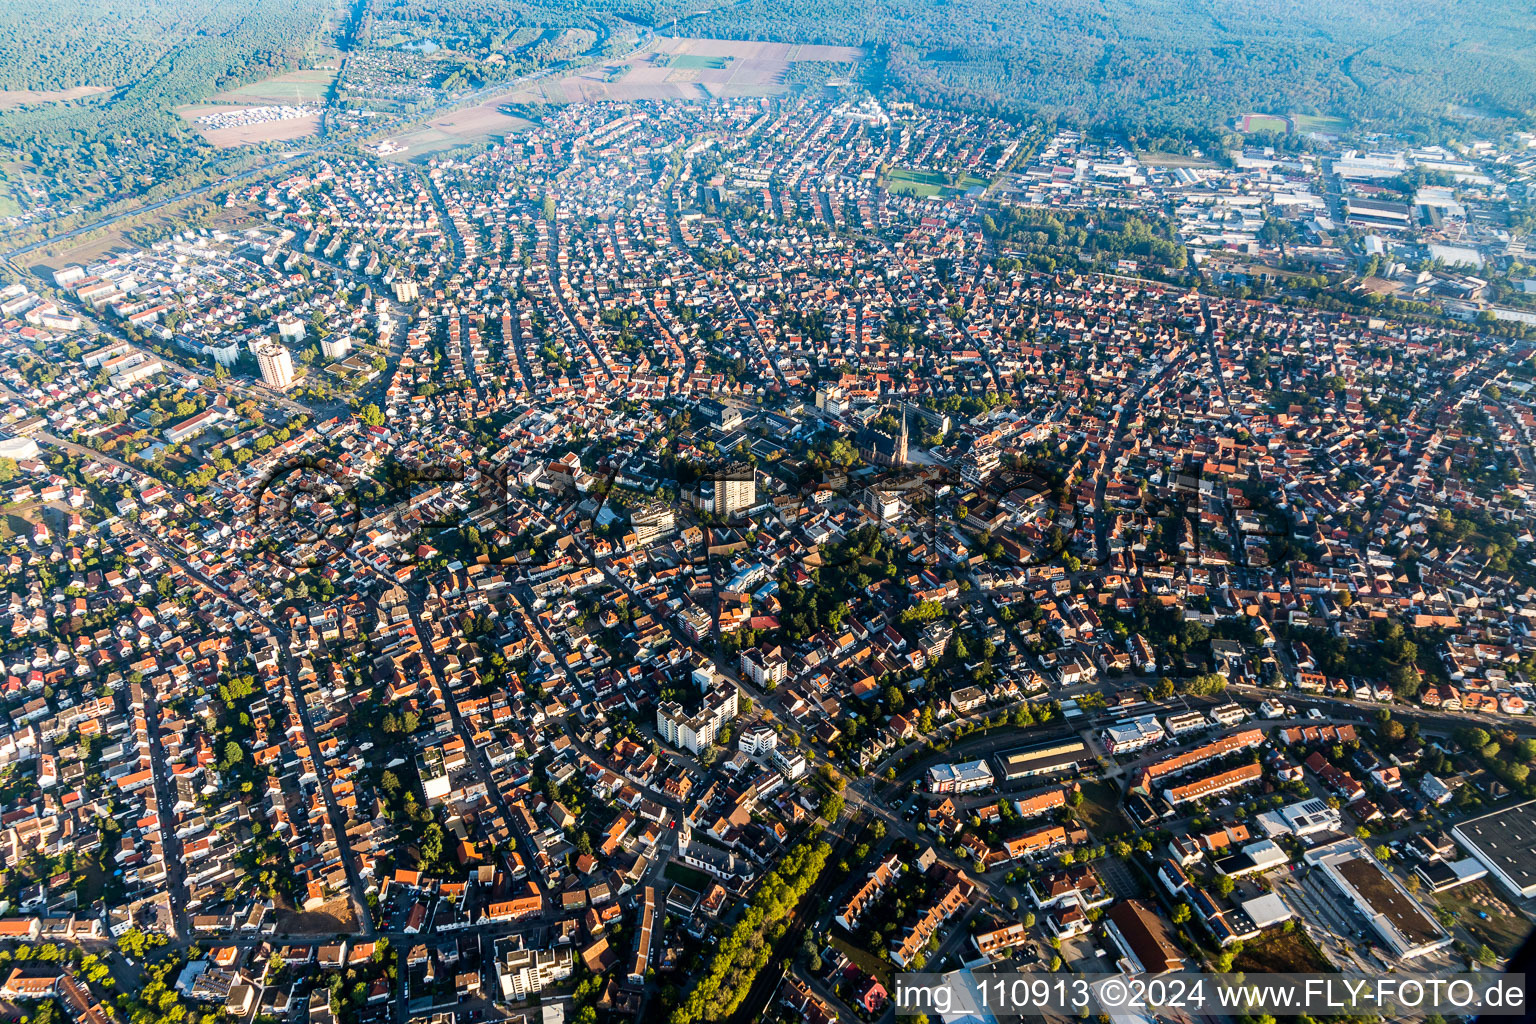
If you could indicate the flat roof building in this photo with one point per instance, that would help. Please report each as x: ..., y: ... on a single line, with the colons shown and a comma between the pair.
x: 651, y: 522
x: 1302, y: 818
x: 728, y: 490
x: 434, y: 774
x: 1139, y: 732
x: 1267, y: 909
x: 276, y: 365
x: 1392, y: 912
x: 697, y: 731
x: 960, y: 778
x: 1253, y: 859
x: 1042, y: 758
x: 1505, y: 843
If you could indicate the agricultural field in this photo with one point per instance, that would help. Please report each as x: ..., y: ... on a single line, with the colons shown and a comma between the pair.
x: 309, y: 87
x: 488, y: 121
x: 120, y: 235
x: 697, y: 62
x: 674, y: 68
x: 45, y: 261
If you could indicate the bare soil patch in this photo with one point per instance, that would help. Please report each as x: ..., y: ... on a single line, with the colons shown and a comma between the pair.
x: 10, y: 98
x: 457, y: 128
x: 282, y: 130
x: 328, y: 919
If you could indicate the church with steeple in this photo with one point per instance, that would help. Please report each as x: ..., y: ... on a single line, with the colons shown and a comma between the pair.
x: 882, y: 448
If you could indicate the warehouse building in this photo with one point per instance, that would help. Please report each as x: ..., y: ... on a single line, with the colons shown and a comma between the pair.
x: 1059, y: 755
x: 1505, y: 843
x: 1393, y: 914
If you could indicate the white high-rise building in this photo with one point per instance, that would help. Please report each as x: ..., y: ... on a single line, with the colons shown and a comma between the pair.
x: 276, y: 366
x: 290, y: 330
x: 652, y: 522
x: 695, y: 732
x: 728, y: 491
x: 735, y: 493
x: 337, y: 346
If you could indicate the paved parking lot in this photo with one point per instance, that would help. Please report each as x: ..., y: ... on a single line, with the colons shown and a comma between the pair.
x: 1344, y: 934
x: 1334, y: 926
x: 1119, y: 877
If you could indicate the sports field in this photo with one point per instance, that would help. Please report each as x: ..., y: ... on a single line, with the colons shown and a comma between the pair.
x: 1266, y: 123
x: 1321, y: 123
x: 903, y: 181
x: 308, y: 86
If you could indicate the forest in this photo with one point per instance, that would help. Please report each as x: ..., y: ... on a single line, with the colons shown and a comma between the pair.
x: 149, y: 58
x: 154, y: 54
x: 1132, y: 63
x: 1101, y: 233
x: 1128, y: 63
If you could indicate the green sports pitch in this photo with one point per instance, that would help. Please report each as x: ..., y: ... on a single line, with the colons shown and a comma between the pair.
x: 1266, y: 123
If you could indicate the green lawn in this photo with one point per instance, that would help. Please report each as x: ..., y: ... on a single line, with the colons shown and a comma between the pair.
x: 1100, y: 810
x: 864, y: 960
x: 1503, y: 932
x: 694, y: 62
x: 1321, y: 123
x: 308, y: 86
x: 694, y: 879
x: 930, y: 183
x: 909, y: 174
